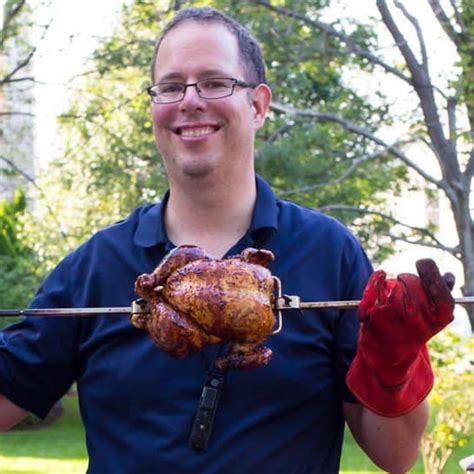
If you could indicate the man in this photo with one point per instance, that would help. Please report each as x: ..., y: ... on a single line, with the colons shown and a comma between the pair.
x: 138, y: 404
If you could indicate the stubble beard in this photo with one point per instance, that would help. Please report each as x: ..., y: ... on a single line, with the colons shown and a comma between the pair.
x: 192, y: 168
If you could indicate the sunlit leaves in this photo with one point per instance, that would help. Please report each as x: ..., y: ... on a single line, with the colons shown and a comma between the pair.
x: 451, y: 399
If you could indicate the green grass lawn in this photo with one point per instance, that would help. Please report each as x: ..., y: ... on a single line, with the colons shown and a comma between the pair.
x: 56, y: 449
x: 59, y: 449
x: 354, y: 461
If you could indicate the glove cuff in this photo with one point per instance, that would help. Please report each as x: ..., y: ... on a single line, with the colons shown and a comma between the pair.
x: 389, y: 400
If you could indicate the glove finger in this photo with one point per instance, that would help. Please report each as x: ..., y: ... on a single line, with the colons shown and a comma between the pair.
x: 449, y: 279
x: 435, y: 286
x: 373, y: 294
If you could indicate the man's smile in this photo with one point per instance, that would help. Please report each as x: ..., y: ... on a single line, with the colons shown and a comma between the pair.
x: 193, y: 131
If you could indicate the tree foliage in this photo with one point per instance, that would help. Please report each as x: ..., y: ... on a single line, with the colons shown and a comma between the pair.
x: 322, y: 145
x: 451, y: 399
x: 321, y: 164
x: 441, y: 119
x: 111, y: 164
x: 21, y: 272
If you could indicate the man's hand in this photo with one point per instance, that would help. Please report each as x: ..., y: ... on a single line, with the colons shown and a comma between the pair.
x: 391, y: 373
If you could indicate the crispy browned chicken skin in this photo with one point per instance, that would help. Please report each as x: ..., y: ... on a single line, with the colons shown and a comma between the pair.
x: 196, y: 300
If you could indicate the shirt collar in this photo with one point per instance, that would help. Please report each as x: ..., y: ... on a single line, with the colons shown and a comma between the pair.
x: 151, y: 225
x: 151, y: 230
x: 265, y: 214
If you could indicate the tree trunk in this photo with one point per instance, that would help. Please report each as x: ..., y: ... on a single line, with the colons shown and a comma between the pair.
x: 466, y: 245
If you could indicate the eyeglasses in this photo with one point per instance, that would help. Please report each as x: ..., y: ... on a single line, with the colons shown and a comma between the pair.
x: 213, y: 88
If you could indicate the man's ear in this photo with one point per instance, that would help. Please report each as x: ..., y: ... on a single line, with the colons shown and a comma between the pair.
x: 262, y: 97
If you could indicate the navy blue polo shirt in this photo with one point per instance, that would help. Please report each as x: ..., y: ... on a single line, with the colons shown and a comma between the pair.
x: 138, y: 403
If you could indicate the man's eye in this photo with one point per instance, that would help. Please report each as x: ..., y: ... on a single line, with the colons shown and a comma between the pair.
x: 170, y: 88
x: 213, y: 84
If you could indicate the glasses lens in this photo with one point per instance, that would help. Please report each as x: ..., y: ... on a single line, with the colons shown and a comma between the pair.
x: 169, y: 91
x: 215, y: 88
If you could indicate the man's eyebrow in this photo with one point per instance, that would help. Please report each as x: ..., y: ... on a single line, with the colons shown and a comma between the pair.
x: 207, y: 73
x: 214, y: 73
x: 172, y: 76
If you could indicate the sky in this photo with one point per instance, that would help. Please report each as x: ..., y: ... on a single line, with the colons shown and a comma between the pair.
x: 73, y: 33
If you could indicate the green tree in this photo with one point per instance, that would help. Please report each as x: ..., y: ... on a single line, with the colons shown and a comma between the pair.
x: 21, y: 271
x: 441, y: 120
x: 320, y: 164
x: 451, y: 400
x: 111, y: 163
x: 21, y: 268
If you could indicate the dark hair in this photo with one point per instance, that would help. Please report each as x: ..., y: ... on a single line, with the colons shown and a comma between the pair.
x: 250, y: 54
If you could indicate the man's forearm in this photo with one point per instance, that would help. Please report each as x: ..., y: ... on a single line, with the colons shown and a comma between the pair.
x: 391, y: 443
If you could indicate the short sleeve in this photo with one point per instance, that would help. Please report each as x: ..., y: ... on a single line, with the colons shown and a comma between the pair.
x: 38, y: 354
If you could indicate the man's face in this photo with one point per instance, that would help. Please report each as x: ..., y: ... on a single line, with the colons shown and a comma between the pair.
x: 199, y: 137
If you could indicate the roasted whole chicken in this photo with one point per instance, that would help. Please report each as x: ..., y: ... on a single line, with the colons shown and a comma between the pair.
x: 196, y: 300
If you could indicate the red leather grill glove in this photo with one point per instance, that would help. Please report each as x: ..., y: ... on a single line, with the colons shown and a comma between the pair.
x: 391, y: 373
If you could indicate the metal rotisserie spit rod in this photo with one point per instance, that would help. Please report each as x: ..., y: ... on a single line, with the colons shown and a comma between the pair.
x: 283, y: 303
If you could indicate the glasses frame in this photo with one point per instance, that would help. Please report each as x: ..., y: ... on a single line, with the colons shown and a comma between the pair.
x: 235, y: 83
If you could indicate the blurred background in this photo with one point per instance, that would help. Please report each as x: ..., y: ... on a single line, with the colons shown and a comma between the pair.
x: 372, y: 122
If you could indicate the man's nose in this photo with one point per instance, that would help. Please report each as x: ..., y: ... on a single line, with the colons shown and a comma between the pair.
x: 191, y: 99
